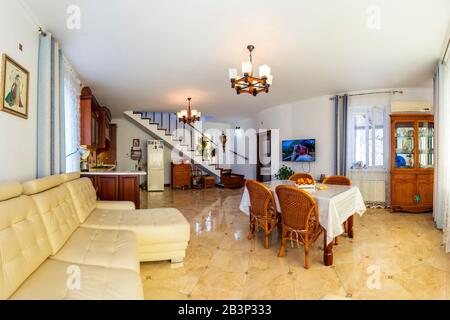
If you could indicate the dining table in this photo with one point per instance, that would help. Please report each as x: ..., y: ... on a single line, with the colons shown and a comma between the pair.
x: 336, y: 204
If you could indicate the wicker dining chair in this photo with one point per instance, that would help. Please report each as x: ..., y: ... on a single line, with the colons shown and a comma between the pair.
x: 299, y: 219
x: 337, y: 180
x: 300, y: 175
x: 263, y: 213
x: 342, y: 181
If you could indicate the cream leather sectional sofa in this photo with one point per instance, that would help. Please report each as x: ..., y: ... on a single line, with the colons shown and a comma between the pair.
x: 58, y: 242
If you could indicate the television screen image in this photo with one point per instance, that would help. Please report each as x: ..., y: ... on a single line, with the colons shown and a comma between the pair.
x: 299, y: 150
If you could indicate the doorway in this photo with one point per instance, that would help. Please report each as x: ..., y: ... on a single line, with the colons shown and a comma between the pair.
x: 264, y: 153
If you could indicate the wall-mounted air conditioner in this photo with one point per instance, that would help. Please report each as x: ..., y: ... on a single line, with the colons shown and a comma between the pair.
x: 411, y: 106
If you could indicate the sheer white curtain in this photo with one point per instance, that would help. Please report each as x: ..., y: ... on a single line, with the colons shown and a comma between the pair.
x: 72, y: 89
x: 442, y: 169
x: 368, y: 151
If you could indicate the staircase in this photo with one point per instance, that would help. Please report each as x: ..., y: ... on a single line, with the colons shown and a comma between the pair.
x: 185, y: 139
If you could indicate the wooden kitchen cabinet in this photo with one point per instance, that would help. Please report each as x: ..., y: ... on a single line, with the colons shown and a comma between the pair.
x: 412, y: 162
x: 129, y: 189
x: 108, y: 188
x: 109, y: 156
x: 95, y: 122
x: 89, y: 127
x: 104, y: 124
x: 113, y: 148
x: 115, y: 187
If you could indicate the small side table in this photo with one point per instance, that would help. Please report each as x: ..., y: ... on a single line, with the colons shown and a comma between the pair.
x: 209, y: 181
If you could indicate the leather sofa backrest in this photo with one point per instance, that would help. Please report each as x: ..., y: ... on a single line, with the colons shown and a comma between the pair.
x: 24, y: 243
x: 84, y: 197
x: 55, y: 206
x: 40, y: 185
x: 66, y: 177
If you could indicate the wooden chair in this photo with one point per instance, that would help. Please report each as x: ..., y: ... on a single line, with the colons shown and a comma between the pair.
x: 299, y: 218
x: 300, y: 175
x: 338, y: 180
x: 263, y: 212
x: 342, y: 181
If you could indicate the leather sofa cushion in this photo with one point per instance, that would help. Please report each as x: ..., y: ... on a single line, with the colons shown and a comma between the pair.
x: 23, y: 243
x: 163, y: 251
x: 50, y: 282
x: 115, y: 205
x: 162, y: 225
x: 84, y: 197
x: 10, y: 190
x: 107, y: 248
x: 40, y: 185
x: 58, y: 214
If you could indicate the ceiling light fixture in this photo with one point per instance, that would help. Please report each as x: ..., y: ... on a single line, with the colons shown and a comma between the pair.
x: 189, y: 116
x: 248, y: 83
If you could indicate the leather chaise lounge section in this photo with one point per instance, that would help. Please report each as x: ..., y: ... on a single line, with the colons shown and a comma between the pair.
x: 162, y: 234
x: 44, y: 247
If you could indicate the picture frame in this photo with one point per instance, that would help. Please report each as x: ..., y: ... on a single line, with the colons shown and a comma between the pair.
x: 15, y: 87
x: 136, y: 143
x: 136, y: 154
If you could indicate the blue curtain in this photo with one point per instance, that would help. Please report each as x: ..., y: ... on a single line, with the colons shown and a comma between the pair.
x: 51, y: 114
x: 340, y: 134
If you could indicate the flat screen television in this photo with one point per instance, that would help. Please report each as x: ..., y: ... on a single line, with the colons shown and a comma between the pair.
x: 299, y: 150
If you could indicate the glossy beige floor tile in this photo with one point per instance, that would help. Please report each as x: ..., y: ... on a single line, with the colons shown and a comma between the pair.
x: 392, y: 256
x: 218, y: 284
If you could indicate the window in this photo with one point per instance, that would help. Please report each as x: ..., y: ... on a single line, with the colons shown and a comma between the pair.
x: 367, y: 137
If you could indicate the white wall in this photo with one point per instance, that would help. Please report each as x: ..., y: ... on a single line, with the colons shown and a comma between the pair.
x: 415, y: 94
x: 126, y: 132
x: 18, y: 137
x: 248, y: 170
x: 307, y: 119
x: 216, y: 128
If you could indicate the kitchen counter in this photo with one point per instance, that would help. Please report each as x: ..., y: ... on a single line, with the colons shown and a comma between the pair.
x: 114, y: 173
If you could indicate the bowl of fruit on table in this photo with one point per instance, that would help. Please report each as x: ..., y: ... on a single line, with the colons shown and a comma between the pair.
x: 306, y: 183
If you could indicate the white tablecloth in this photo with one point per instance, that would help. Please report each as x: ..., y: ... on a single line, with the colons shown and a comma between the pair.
x: 335, y: 204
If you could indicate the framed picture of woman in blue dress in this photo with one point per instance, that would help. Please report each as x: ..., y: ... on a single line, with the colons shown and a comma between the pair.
x: 14, y: 88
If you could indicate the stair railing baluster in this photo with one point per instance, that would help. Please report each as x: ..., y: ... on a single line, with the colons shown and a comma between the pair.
x: 192, y: 139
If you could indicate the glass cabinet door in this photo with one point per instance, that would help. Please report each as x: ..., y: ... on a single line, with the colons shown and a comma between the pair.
x: 404, y: 145
x: 426, y: 145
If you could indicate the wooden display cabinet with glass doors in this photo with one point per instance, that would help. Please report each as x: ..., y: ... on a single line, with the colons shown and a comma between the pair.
x: 412, y: 162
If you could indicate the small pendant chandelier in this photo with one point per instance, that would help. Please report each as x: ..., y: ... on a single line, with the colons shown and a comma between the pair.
x: 247, y: 83
x: 189, y: 116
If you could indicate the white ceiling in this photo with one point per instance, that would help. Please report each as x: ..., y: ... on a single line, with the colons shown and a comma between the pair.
x: 151, y: 55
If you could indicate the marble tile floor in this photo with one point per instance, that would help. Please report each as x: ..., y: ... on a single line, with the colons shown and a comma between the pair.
x: 393, y: 256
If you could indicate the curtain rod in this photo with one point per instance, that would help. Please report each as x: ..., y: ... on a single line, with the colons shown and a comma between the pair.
x: 32, y: 17
x: 41, y: 31
x: 366, y: 93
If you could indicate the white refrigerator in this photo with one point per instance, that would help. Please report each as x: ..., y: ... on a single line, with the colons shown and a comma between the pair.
x: 155, y: 165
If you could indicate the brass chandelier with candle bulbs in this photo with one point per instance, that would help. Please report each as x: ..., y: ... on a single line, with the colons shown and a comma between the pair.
x: 188, y: 116
x: 247, y: 82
